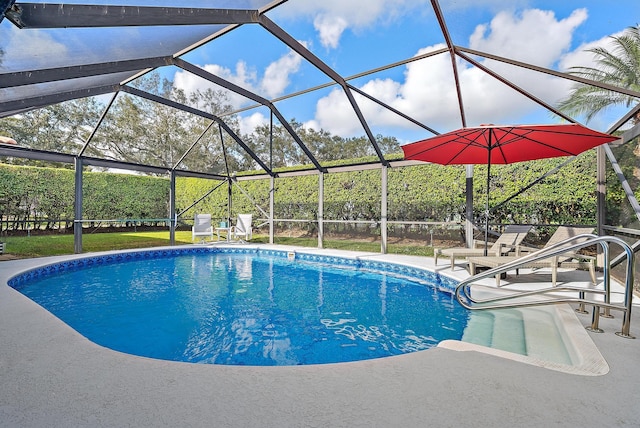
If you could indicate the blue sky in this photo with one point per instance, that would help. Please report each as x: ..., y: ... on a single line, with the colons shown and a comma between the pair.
x: 353, y: 36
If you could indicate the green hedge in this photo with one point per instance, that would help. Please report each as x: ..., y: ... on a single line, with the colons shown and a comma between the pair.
x: 33, y: 194
x: 418, y: 193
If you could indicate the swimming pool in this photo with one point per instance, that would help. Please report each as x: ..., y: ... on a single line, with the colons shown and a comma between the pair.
x: 247, y: 306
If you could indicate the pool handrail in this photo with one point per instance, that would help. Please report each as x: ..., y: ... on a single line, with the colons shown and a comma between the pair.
x: 464, y: 297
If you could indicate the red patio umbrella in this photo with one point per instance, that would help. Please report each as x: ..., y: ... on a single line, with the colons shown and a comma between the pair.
x: 493, y: 144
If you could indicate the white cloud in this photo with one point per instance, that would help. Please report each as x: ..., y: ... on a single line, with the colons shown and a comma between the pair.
x: 534, y: 36
x: 334, y: 113
x: 579, y: 57
x: 358, y: 13
x: 427, y: 91
x: 249, y: 123
x: 274, y: 81
x: 311, y: 124
x: 242, y: 76
x: 428, y: 94
x: 332, y: 17
x: 276, y: 75
x: 330, y: 29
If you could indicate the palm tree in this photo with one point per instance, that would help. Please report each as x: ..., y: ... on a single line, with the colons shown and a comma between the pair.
x: 619, y: 67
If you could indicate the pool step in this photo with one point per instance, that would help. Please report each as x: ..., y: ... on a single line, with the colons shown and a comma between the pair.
x: 479, y: 329
x: 530, y: 332
x: 508, y: 332
x: 543, y: 339
x: 500, y: 329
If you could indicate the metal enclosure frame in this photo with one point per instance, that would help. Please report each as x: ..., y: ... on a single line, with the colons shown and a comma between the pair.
x: 35, y: 15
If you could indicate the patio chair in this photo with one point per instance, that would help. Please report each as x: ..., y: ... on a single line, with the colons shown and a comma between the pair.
x: 569, y: 260
x: 242, y: 227
x: 201, y: 227
x: 509, y: 241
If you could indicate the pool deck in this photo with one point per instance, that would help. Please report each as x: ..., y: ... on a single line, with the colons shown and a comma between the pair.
x: 51, y: 376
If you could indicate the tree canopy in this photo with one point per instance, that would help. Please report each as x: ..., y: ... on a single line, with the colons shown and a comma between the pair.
x: 141, y: 131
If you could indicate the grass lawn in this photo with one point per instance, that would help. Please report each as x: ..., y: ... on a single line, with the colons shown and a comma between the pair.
x: 54, y: 245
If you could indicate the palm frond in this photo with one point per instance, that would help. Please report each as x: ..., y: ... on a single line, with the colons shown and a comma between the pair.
x: 619, y: 67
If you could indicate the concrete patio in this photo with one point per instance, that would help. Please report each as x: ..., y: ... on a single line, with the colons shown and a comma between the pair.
x: 53, y: 377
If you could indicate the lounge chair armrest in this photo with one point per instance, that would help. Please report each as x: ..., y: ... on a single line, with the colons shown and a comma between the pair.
x: 478, y: 243
x: 527, y: 249
x: 508, y: 248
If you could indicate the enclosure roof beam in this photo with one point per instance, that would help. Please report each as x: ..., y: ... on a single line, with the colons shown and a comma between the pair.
x: 9, y: 108
x: 34, y: 154
x: 252, y: 96
x: 628, y: 190
x: 31, y: 77
x: 97, y: 125
x: 48, y: 156
x: 297, y: 47
x: 127, y: 166
x: 551, y: 72
x: 394, y: 110
x: 516, y: 87
x: 48, y: 15
x: 357, y: 76
x: 364, y: 166
x: 4, y: 6
x: 454, y: 67
x: 193, y: 145
x: 194, y: 174
x: 627, y: 136
x: 630, y: 134
x: 197, y: 112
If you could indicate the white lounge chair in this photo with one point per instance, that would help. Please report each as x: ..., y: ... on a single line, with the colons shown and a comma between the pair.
x: 242, y: 228
x: 569, y: 261
x: 508, y: 242
x: 202, y: 227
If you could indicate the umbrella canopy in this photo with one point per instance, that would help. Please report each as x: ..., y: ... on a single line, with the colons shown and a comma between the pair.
x: 493, y: 144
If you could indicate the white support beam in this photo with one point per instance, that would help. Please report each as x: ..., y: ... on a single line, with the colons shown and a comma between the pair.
x: 77, y: 210
x: 172, y: 208
x: 320, y: 210
x: 468, y: 225
x: 383, y: 208
x: 272, y: 191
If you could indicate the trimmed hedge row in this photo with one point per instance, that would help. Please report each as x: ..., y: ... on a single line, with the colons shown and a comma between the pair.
x: 46, y: 196
x: 417, y: 193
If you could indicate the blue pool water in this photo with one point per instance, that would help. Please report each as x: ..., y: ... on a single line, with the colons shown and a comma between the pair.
x: 248, y: 308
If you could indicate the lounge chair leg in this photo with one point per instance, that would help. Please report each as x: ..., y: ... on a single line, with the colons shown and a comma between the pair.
x: 592, y: 271
x: 498, y: 280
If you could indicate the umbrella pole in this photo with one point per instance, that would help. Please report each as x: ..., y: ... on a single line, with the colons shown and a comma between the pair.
x: 486, y: 207
x: 486, y: 212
